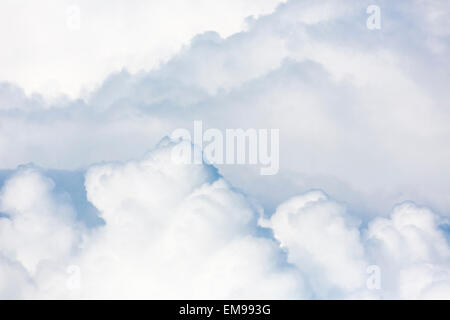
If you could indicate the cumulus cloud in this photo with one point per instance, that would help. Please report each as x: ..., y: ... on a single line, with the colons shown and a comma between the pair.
x: 182, y: 231
x: 357, y: 107
x: 413, y: 246
x: 171, y: 231
x: 178, y: 231
x: 321, y: 240
x: 362, y: 115
x: 38, y: 232
x: 38, y: 227
x: 75, y: 44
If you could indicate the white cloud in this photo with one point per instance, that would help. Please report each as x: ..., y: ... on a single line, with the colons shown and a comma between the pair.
x: 37, y: 238
x: 48, y: 51
x: 322, y: 241
x: 182, y: 231
x: 178, y: 231
x: 39, y: 227
x: 413, y: 249
x: 173, y: 231
x: 362, y: 115
x: 353, y: 105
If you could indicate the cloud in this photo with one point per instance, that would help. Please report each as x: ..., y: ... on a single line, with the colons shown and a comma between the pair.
x: 362, y: 115
x: 413, y: 246
x: 170, y: 231
x: 75, y: 44
x: 178, y: 231
x: 39, y: 226
x: 354, y: 105
x: 38, y: 232
x: 322, y: 241
x: 182, y: 231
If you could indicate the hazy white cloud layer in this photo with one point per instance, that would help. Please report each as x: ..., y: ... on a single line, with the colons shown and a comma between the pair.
x: 363, y: 118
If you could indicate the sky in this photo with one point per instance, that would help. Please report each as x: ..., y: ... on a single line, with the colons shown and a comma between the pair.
x: 93, y: 206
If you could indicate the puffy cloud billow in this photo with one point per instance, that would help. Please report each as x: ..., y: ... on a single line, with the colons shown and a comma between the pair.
x: 363, y: 122
x: 170, y: 231
x: 183, y: 231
